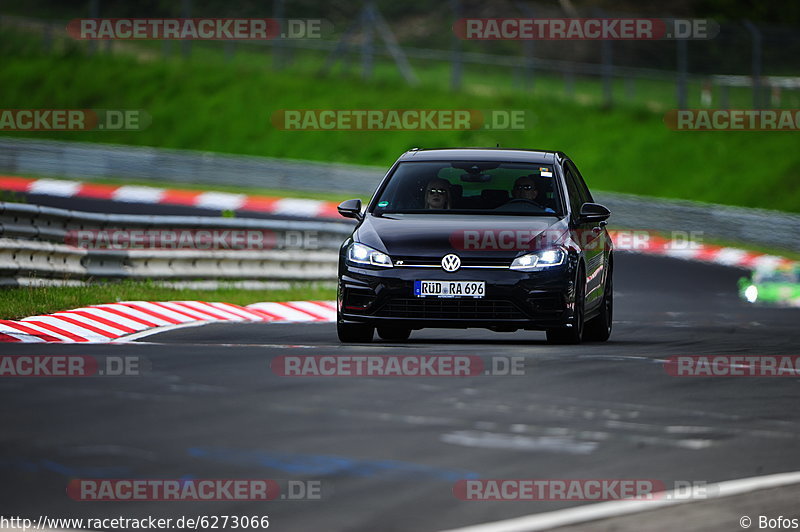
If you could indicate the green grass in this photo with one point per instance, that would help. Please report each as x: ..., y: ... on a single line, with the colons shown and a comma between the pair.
x: 16, y: 303
x: 208, y: 104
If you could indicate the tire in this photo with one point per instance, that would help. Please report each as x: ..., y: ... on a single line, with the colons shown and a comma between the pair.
x: 574, y: 334
x: 394, y: 334
x: 354, y: 332
x: 598, y: 329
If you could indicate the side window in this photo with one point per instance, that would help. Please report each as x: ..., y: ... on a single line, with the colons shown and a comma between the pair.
x: 575, y: 200
x: 584, y: 190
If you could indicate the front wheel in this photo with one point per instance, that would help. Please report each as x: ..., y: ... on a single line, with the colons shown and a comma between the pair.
x: 574, y: 333
x: 598, y: 329
x: 354, y: 332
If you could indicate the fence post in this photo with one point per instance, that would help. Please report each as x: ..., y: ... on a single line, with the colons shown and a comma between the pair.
x: 342, y: 49
x: 756, y: 34
x: 186, y: 12
x: 457, y: 65
x: 528, y: 77
x: 94, y: 12
x: 391, y: 44
x: 569, y: 82
x: 367, y: 48
x: 630, y: 88
x: 608, y: 74
x: 47, y: 37
x: 278, y: 46
x: 683, y: 59
x: 607, y: 55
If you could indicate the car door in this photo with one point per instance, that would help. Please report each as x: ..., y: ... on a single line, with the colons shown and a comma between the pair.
x: 589, y: 235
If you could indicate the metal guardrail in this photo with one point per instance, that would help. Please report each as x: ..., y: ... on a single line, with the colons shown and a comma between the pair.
x: 50, y: 223
x: 773, y: 229
x: 85, y: 161
x: 35, y: 242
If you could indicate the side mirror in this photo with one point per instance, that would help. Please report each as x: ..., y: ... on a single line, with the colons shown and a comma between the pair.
x: 350, y: 209
x: 593, y: 212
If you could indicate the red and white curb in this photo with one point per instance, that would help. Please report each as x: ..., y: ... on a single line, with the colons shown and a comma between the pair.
x: 725, y: 256
x: 305, y: 208
x: 135, y: 319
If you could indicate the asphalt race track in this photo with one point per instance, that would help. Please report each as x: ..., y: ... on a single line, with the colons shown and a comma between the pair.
x: 388, y: 450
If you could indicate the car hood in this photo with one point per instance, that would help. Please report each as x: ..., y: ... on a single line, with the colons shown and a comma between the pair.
x: 434, y: 235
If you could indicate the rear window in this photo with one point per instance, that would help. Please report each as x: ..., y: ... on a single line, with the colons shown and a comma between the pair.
x: 471, y: 187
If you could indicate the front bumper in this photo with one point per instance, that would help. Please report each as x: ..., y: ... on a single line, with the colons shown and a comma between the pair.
x: 513, y: 300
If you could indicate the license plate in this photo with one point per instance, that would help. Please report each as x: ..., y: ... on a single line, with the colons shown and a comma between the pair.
x: 449, y: 288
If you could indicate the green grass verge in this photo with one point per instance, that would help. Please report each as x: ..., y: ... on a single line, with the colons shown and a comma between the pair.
x: 208, y: 104
x: 16, y: 303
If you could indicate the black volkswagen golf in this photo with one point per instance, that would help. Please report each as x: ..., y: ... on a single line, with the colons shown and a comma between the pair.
x: 492, y: 238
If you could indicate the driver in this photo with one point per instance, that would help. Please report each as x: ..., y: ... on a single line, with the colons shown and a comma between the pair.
x: 437, y: 194
x: 525, y: 189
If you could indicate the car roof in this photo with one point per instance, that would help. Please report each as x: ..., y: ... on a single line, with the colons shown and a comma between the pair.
x: 484, y: 154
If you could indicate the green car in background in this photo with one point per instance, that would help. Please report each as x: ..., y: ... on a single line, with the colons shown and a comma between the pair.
x: 777, y: 286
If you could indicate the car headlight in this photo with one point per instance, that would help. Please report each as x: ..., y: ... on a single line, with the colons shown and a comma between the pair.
x: 361, y: 254
x: 540, y: 259
x: 751, y: 293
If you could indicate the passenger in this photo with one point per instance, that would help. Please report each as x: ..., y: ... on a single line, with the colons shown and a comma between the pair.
x: 437, y: 194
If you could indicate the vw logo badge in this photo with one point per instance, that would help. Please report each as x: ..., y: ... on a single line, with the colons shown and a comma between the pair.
x: 451, y: 262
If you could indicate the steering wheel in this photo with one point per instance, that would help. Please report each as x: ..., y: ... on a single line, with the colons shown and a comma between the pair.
x: 524, y: 200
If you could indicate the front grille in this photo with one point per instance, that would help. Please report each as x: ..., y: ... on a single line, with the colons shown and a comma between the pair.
x: 436, y: 262
x: 455, y: 309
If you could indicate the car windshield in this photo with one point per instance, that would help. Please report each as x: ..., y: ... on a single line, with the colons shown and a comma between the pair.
x: 777, y: 276
x: 470, y: 187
